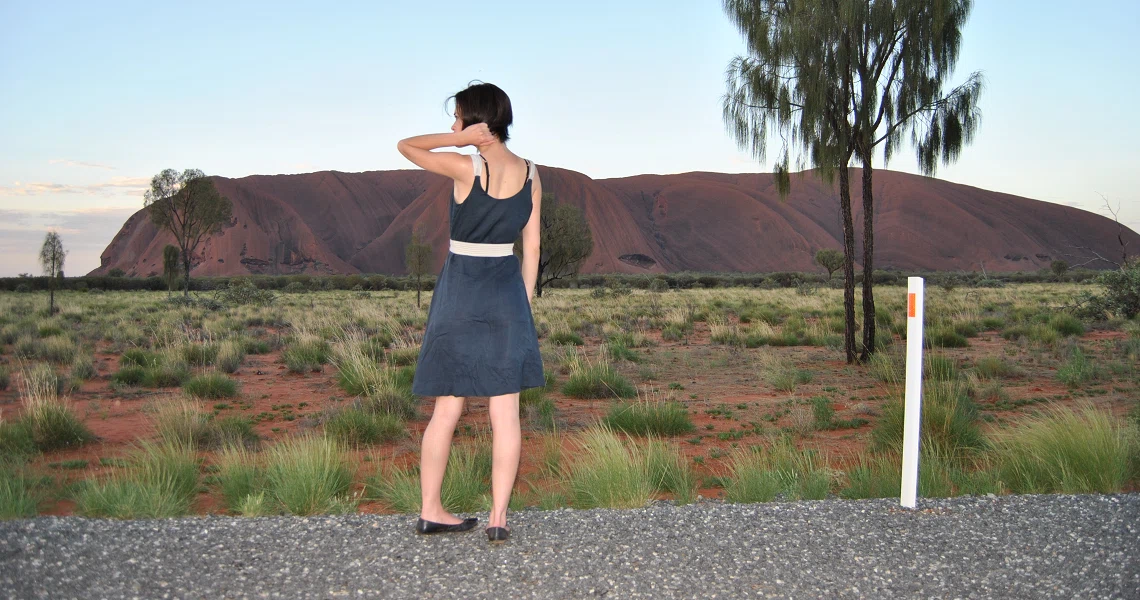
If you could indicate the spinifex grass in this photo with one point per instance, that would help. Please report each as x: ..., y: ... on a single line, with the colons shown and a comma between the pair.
x: 240, y: 476
x: 596, y: 380
x: 465, y: 483
x: 949, y: 422
x: 356, y: 427
x: 607, y: 473
x: 211, y: 386
x: 20, y: 493
x: 159, y: 482
x: 1069, y: 451
x: 306, y: 354
x: 379, y: 385
x: 308, y: 475
x: 760, y: 474
x: 650, y: 417
x: 48, y: 417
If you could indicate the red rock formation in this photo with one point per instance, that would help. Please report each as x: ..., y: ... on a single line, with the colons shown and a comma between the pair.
x: 332, y: 222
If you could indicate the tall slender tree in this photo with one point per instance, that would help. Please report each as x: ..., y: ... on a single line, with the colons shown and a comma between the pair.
x: 907, y: 50
x: 417, y: 259
x: 189, y: 206
x: 839, y: 78
x: 796, y: 80
x: 51, y: 259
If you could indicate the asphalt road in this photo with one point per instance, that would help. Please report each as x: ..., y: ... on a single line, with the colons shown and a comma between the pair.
x: 970, y: 547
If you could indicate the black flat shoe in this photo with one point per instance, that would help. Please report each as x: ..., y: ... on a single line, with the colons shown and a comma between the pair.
x: 498, y: 534
x: 428, y: 527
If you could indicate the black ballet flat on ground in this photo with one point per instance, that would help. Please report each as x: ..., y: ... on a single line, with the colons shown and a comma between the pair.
x: 498, y: 534
x: 429, y: 527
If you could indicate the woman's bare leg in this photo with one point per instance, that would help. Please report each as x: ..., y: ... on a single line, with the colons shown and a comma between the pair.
x: 433, y: 458
x: 506, y: 446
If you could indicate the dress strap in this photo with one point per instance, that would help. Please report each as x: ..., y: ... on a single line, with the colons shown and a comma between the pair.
x: 530, y: 170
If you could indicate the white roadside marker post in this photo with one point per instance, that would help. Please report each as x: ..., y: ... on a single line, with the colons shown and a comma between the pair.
x: 913, y: 403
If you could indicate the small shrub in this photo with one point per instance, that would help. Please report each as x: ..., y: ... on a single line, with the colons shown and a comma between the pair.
x: 1066, y: 324
x: 210, y: 386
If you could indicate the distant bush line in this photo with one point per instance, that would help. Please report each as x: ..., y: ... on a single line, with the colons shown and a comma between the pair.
x: 678, y: 280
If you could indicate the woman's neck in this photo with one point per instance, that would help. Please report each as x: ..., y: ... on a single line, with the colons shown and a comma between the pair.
x: 495, y: 150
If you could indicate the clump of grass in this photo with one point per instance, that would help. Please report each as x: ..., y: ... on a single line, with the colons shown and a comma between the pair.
x: 617, y: 350
x: 465, y: 482
x: 160, y: 482
x: 231, y: 353
x: 48, y: 417
x: 16, y: 441
x: 1070, y: 451
x: 200, y: 355
x: 210, y: 386
x: 885, y: 368
x: 543, y: 414
x: 534, y: 395
x: 991, y: 367
x: 596, y: 380
x: 880, y: 476
x: 139, y: 357
x: 939, y: 368
x: 308, y: 475
x: 1066, y: 324
x: 83, y: 368
x: 5, y: 378
x: 645, y: 417
x: 356, y: 427
x: 605, y: 473
x: 668, y: 471
x: 566, y: 338
x: 180, y: 420
x: 307, y: 353
x: 172, y: 371
x: 949, y: 422
x: 240, y: 477
x: 20, y: 493
x: 129, y: 375
x: 759, y: 474
x: 944, y: 336
x: 1079, y: 370
x: 59, y: 349
x: 380, y: 386
x: 782, y: 375
x: 823, y: 413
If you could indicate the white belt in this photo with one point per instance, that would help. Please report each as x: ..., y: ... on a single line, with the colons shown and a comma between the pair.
x: 475, y: 249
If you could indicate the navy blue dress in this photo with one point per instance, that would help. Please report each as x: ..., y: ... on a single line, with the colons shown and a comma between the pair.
x: 480, y: 338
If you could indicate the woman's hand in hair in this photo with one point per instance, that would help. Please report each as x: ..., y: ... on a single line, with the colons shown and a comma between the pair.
x: 477, y: 134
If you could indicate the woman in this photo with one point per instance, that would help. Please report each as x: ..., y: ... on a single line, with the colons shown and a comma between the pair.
x: 480, y: 338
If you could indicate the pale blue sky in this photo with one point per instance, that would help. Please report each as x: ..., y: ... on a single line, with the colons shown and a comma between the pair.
x: 95, y: 98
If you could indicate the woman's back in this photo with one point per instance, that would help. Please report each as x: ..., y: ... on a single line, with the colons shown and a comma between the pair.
x: 481, y: 216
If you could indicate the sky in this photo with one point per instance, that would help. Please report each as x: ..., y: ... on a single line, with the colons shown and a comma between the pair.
x: 97, y: 98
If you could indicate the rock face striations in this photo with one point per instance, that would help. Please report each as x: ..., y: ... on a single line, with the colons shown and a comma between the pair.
x: 332, y: 222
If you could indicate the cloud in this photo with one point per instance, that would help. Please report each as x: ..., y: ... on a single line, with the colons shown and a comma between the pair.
x: 116, y: 185
x: 85, y: 233
x: 79, y: 163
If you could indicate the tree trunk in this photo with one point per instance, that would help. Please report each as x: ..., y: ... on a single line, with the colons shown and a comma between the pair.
x: 538, y: 282
x: 848, y: 262
x: 51, y: 298
x: 186, y: 268
x: 868, y: 264
x: 418, y: 287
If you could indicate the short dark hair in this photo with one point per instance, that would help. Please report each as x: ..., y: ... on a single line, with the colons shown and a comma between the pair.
x: 485, y: 103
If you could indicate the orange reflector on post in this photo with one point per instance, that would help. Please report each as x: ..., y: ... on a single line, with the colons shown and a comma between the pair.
x: 910, y: 305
